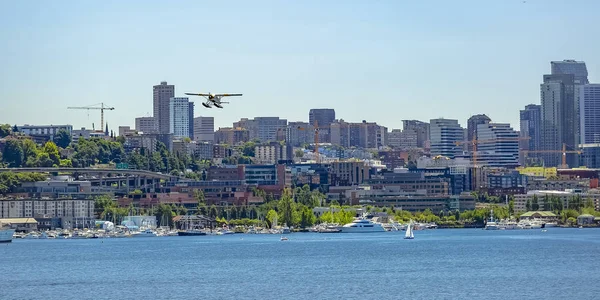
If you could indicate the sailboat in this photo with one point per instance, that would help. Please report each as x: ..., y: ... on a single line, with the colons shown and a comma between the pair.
x: 409, y: 232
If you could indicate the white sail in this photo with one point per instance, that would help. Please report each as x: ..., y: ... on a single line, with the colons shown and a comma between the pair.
x: 409, y: 232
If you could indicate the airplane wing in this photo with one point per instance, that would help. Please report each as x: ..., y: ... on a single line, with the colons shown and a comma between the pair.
x: 193, y: 94
x: 227, y: 95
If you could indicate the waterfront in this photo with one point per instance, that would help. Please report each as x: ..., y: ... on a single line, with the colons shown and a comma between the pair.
x: 438, y: 264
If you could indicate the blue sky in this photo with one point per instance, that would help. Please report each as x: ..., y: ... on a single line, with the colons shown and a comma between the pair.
x: 380, y: 61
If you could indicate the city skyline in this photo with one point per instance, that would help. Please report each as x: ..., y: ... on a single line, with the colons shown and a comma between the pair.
x: 314, y: 55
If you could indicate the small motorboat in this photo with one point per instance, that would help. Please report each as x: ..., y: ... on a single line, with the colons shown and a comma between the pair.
x: 283, y: 238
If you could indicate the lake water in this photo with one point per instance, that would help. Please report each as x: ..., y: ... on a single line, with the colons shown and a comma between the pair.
x: 437, y: 264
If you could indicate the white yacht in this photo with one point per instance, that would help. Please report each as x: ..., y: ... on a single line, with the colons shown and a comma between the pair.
x: 491, y: 224
x: 508, y: 225
x: 362, y: 225
x: 145, y: 233
x: 6, y: 234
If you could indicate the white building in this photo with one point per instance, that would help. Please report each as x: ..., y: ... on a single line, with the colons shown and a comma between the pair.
x: 179, y: 117
x: 589, y: 110
x: 444, y: 135
x: 498, y: 145
x: 271, y: 153
x: 73, y: 212
x: 204, y: 129
x: 146, y: 125
x: 48, y: 130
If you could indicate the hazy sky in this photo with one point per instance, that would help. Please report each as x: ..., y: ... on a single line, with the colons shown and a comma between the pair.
x: 380, y: 61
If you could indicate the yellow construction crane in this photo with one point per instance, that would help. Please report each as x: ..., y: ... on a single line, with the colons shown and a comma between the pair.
x: 95, y: 106
x: 564, y: 152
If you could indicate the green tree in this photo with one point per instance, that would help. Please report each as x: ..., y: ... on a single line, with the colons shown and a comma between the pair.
x: 62, y: 139
x: 102, y: 206
x: 164, y: 214
x: 213, y: 212
x: 299, y: 153
x: 271, y: 217
x: 534, y: 204
x: 248, y: 148
x: 511, y: 206
x: 546, y: 202
x: 528, y: 205
x: 5, y: 130
x: 233, y: 213
x: 286, y: 207
x: 52, y: 150
x: 303, y: 195
x: 307, y: 218
x: 13, y: 154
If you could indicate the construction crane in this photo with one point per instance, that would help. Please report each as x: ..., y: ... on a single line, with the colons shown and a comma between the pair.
x: 95, y: 106
x: 564, y: 152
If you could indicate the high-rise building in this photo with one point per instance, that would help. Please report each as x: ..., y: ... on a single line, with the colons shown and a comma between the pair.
x: 162, y: 97
x: 558, y: 118
x: 530, y: 131
x: 406, y: 139
x: 264, y: 129
x: 472, y: 128
x: 501, y: 148
x: 580, y: 77
x: 444, y: 134
x: 146, y: 125
x: 421, y: 128
x: 298, y: 133
x: 191, y: 119
x: 204, y: 129
x: 364, y: 134
x: 323, y: 117
x: 589, y: 105
x: 180, y: 117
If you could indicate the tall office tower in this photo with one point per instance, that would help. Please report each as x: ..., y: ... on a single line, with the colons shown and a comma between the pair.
x: 204, y: 129
x: 444, y: 134
x: 324, y: 117
x: 421, y: 128
x: 472, y: 128
x: 180, y: 117
x: 530, y: 131
x: 590, y: 113
x: 580, y: 77
x: 162, y: 97
x: 191, y: 120
x: 146, y: 125
x: 558, y: 119
x: 501, y: 148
